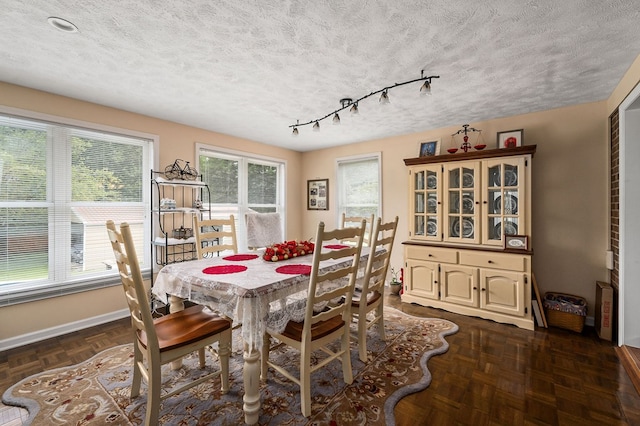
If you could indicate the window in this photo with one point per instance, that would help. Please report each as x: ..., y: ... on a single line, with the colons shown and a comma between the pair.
x: 359, y: 187
x: 241, y: 184
x: 58, y: 186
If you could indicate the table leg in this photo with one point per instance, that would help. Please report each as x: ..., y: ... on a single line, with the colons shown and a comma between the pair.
x: 251, y: 374
x: 176, y: 304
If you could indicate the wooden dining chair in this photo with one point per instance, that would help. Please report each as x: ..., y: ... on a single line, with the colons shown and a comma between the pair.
x: 171, y: 337
x: 346, y: 221
x: 369, y: 294
x: 325, y: 321
x: 214, y: 236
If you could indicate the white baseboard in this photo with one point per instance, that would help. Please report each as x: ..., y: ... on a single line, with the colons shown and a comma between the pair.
x: 59, y: 330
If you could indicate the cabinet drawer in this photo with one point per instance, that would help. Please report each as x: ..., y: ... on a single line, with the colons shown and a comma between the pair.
x: 512, y: 262
x: 433, y: 254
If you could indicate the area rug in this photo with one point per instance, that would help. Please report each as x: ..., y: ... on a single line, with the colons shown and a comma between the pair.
x: 96, y: 392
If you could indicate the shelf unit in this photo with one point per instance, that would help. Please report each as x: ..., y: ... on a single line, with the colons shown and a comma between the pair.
x: 460, y: 208
x: 189, y: 197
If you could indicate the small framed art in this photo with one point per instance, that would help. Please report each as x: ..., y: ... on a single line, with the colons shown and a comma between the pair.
x: 318, y: 194
x: 510, y: 138
x: 430, y: 148
x: 516, y: 242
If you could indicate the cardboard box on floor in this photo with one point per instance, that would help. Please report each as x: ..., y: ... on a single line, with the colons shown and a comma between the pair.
x: 604, y: 310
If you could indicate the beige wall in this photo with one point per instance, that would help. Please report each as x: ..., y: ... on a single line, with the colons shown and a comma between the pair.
x: 570, y: 190
x: 175, y: 141
x: 570, y: 175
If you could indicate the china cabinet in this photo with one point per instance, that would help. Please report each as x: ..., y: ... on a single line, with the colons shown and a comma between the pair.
x: 173, y: 204
x: 461, y: 206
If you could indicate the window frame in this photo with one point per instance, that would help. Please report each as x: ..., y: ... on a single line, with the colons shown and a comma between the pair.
x: 28, y: 291
x: 340, y: 204
x: 244, y: 158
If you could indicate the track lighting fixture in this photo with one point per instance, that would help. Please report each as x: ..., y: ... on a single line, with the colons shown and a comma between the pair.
x: 345, y: 103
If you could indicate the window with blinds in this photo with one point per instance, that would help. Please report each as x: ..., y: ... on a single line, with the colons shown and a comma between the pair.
x: 359, y: 189
x: 241, y: 184
x: 59, y: 185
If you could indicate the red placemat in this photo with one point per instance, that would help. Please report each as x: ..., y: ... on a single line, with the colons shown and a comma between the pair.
x: 224, y: 269
x: 336, y: 246
x: 294, y: 269
x: 239, y: 257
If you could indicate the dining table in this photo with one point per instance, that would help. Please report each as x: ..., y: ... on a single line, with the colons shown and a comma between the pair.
x: 255, y: 292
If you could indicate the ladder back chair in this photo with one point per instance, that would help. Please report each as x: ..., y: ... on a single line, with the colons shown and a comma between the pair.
x: 328, y: 322
x: 171, y: 337
x: 347, y: 221
x: 214, y: 236
x: 367, y: 304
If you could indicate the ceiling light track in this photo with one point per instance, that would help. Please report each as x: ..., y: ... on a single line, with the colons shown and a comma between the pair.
x: 345, y: 103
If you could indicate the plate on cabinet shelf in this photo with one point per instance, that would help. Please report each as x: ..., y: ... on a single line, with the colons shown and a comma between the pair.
x: 510, y: 178
x: 432, y: 204
x: 467, y: 228
x: 467, y: 204
x: 510, y: 228
x: 432, y: 182
x: 467, y: 180
x: 432, y: 228
x: 510, y: 204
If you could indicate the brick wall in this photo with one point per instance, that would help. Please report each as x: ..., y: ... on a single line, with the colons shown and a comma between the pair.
x: 615, y: 197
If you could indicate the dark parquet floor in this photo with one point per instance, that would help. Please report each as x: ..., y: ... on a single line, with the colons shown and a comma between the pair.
x: 492, y: 374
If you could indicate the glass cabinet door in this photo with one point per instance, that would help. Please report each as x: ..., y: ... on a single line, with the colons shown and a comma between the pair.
x: 426, y: 203
x: 462, y: 182
x: 504, y: 200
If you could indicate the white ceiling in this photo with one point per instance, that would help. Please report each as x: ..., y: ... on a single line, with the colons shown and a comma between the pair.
x: 251, y: 68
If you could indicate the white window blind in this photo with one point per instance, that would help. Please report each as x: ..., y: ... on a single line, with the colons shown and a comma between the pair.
x: 359, y: 187
x: 58, y: 186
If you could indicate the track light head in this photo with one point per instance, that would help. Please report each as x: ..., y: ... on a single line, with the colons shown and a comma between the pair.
x: 354, y: 109
x: 295, y: 131
x: 316, y: 127
x: 384, y: 98
x: 425, y: 89
x: 336, y: 118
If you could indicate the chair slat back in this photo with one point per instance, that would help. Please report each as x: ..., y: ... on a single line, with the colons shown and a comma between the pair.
x: 214, y: 236
x: 336, y: 301
x: 379, y: 257
x: 349, y: 221
x: 135, y: 292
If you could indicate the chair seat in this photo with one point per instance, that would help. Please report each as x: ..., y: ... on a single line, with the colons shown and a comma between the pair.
x: 372, y: 298
x: 185, y: 327
x: 293, y: 330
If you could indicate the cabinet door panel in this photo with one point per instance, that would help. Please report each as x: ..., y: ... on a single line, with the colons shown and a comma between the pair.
x: 504, y: 199
x: 459, y: 285
x: 422, y: 278
x: 425, y: 203
x: 503, y: 292
x: 462, y: 208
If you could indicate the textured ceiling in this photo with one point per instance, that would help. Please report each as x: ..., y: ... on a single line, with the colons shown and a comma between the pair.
x: 251, y: 68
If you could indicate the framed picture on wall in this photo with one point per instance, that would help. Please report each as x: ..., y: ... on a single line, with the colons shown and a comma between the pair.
x: 318, y: 194
x: 510, y: 138
x: 430, y: 148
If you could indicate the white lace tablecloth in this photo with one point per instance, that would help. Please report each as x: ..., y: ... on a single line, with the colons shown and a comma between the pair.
x: 257, y: 297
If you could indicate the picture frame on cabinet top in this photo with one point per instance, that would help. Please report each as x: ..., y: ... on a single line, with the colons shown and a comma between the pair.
x: 510, y: 138
x: 429, y: 148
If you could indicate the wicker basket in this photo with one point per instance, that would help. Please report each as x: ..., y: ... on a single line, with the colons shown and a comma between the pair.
x: 565, y: 311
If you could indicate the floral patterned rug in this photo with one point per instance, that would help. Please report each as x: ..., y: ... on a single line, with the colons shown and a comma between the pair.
x: 96, y: 392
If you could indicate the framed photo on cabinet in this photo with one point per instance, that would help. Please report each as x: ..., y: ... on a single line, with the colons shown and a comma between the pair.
x: 318, y: 194
x: 516, y: 242
x: 510, y: 138
x: 430, y: 148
